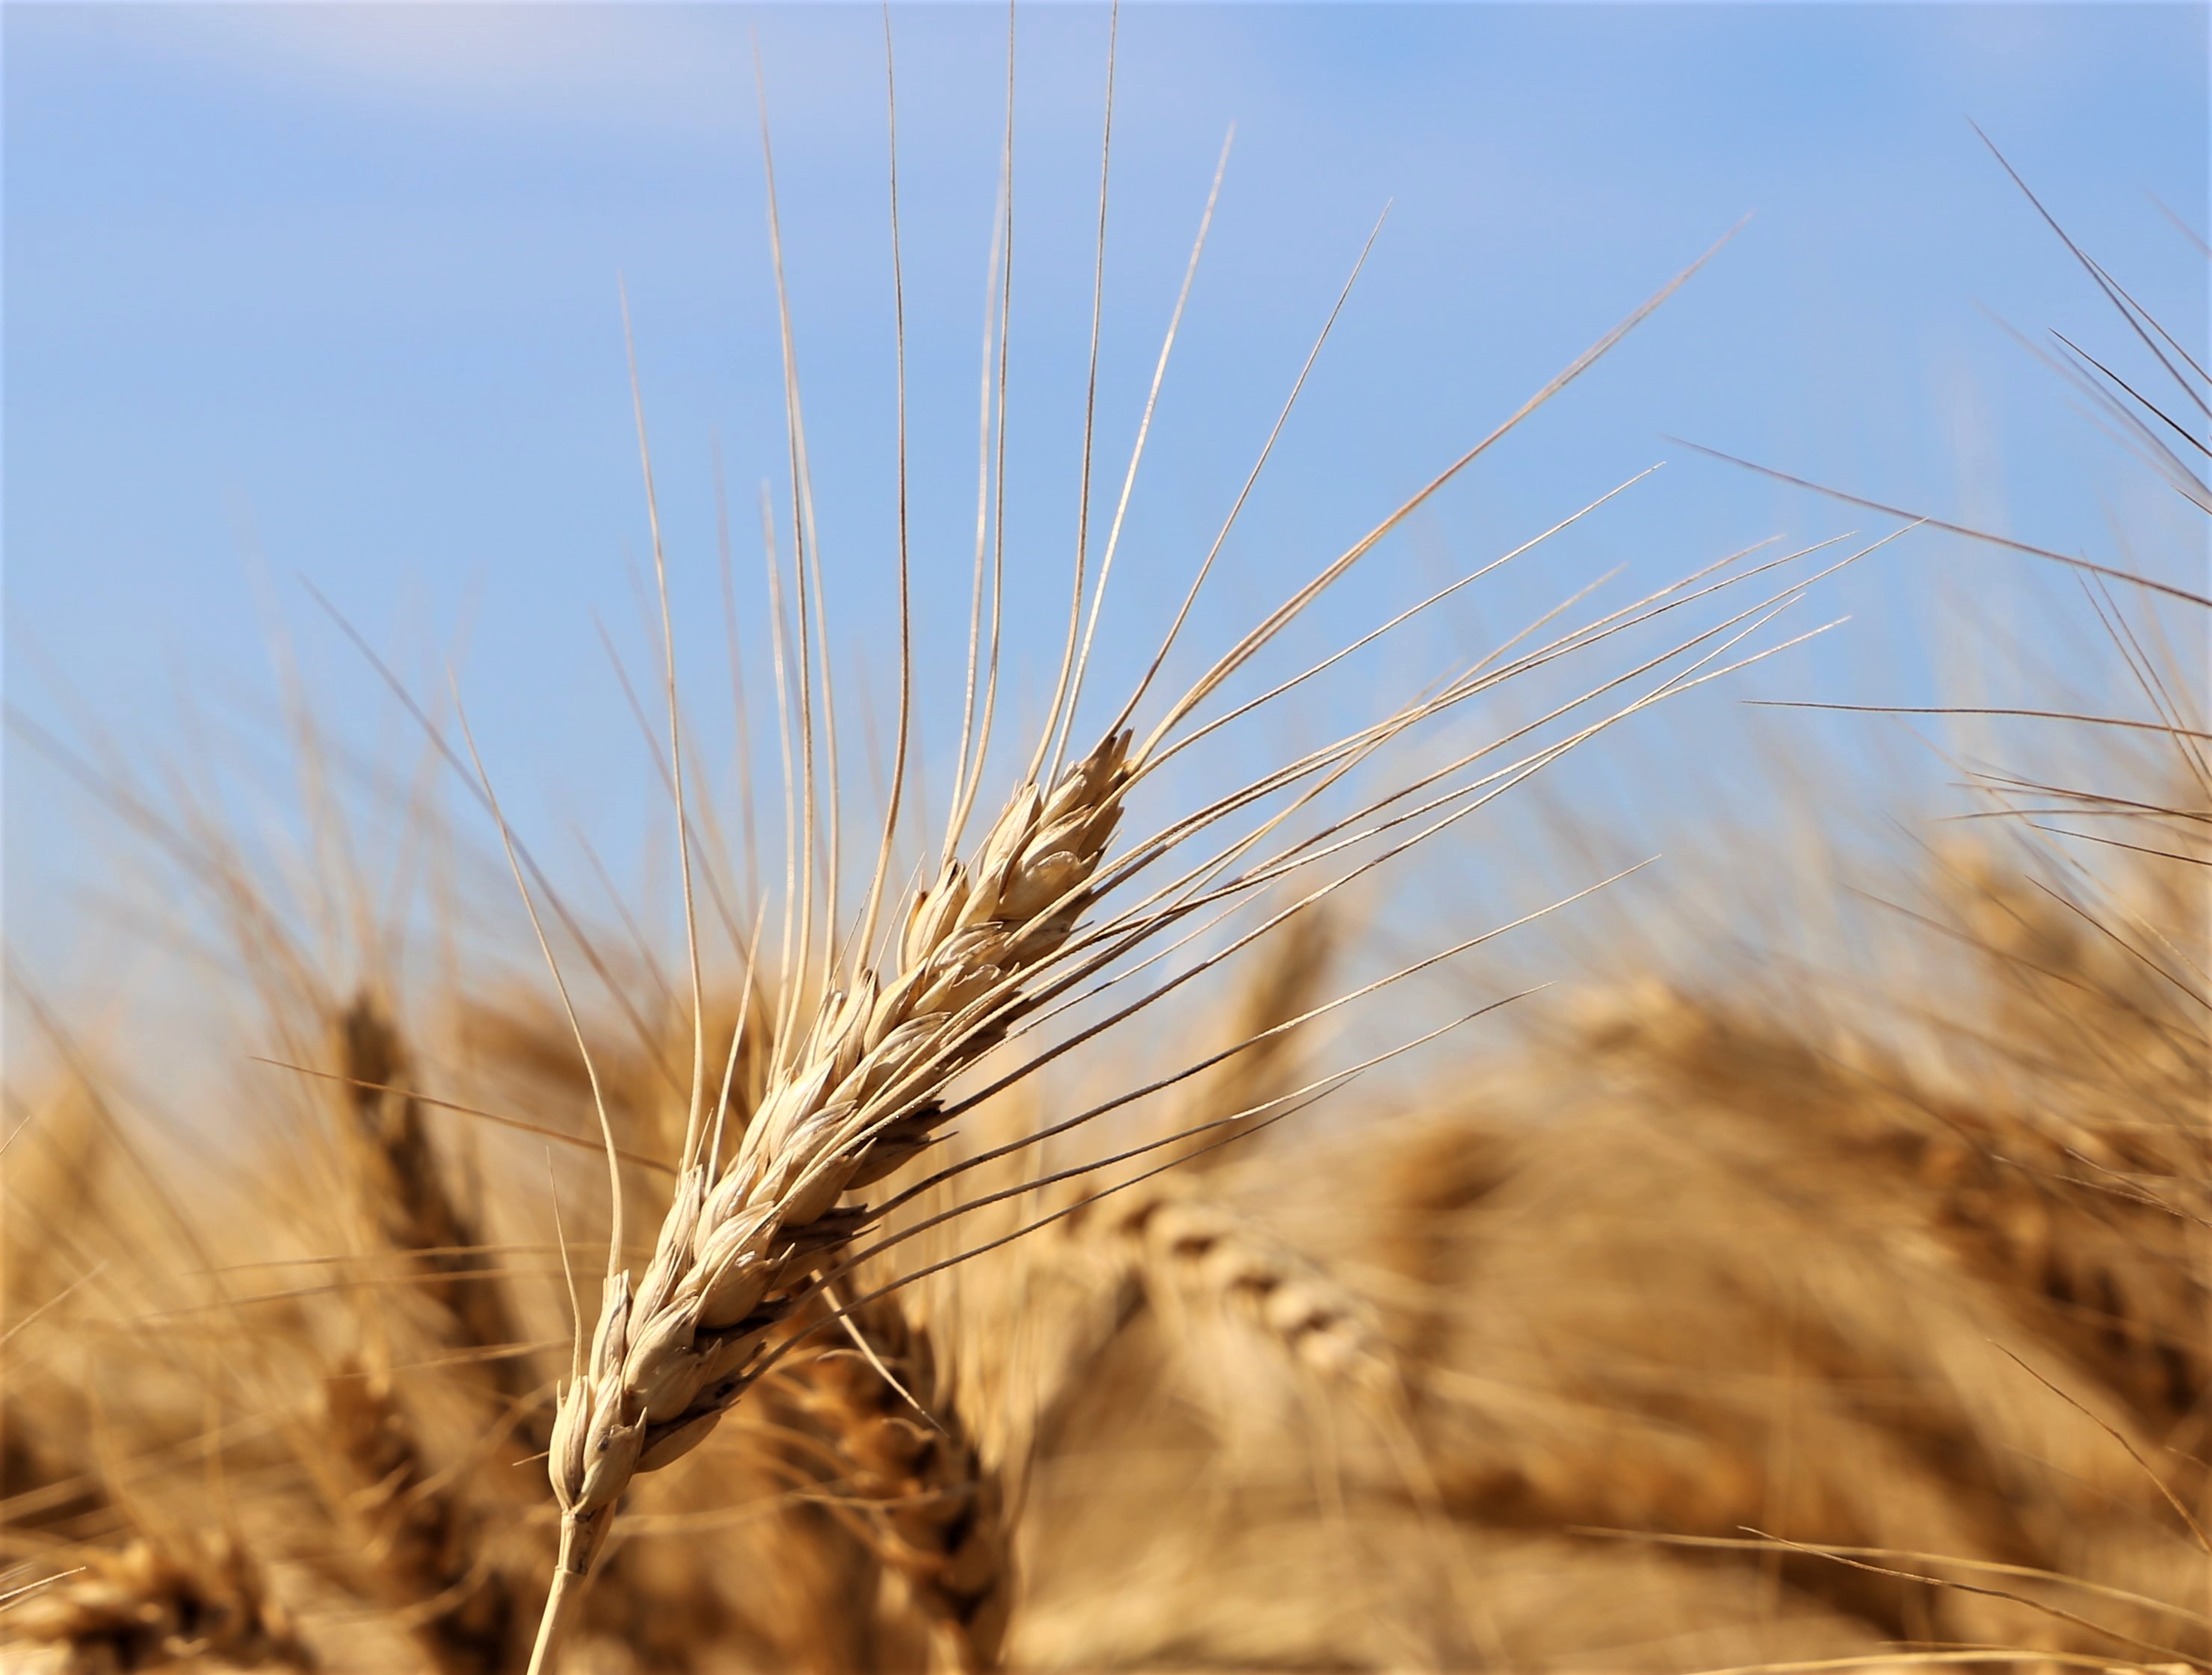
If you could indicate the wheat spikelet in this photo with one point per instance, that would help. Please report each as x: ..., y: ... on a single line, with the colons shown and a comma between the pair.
x: 857, y: 1098
x: 152, y: 1606
x: 908, y: 1478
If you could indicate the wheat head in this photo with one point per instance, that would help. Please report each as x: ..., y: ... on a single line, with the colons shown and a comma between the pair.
x: 424, y: 1539
x: 1189, y: 1249
x: 910, y: 1480
x: 859, y: 1098
x: 403, y: 1196
x: 154, y: 1605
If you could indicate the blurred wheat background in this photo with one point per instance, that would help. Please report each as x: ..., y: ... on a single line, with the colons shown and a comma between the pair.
x: 1500, y: 1250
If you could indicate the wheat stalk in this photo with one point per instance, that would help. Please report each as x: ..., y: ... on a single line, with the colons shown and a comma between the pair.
x: 861, y: 1089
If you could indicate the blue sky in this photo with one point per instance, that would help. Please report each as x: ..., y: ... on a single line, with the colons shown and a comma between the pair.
x: 330, y: 293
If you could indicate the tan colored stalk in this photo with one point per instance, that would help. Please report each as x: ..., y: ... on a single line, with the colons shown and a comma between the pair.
x: 859, y: 1097
x: 910, y: 1483
x: 859, y: 1092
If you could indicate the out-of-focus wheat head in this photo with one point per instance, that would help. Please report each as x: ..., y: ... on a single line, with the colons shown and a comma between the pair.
x: 152, y: 1606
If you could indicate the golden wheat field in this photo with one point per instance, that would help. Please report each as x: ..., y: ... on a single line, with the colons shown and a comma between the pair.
x: 1073, y: 1166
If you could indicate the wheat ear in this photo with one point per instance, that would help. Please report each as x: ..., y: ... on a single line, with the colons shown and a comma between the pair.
x: 424, y: 1539
x: 910, y: 1481
x: 1182, y: 1247
x: 858, y: 1098
x: 861, y: 1092
x: 403, y: 1193
x: 151, y: 1605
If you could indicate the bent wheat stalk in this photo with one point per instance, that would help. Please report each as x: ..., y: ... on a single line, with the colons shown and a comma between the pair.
x: 1178, y: 1245
x: 404, y: 1194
